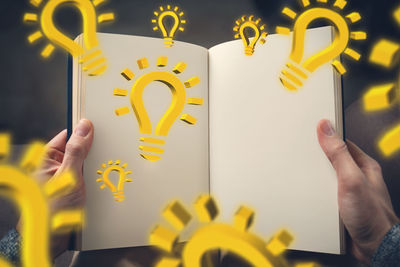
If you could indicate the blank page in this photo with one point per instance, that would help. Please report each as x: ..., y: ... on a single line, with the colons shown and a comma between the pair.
x: 264, y: 151
x: 182, y: 172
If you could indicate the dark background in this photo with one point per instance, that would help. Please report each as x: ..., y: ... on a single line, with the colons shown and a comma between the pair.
x: 33, y: 90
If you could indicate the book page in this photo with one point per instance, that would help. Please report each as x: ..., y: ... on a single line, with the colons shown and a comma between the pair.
x: 264, y: 151
x: 182, y: 172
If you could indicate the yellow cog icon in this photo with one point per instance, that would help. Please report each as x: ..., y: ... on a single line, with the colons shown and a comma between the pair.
x: 160, y: 23
x: 18, y: 185
x: 91, y: 56
x: 385, y: 53
x: 241, y: 31
x: 298, y: 68
x: 105, y: 172
x: 150, y: 145
x: 213, y: 236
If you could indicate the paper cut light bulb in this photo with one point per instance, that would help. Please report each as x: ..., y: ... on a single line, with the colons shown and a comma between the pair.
x: 160, y: 21
x: 118, y: 189
x: 92, y: 59
x: 150, y: 146
x: 299, y: 67
x: 211, y: 236
x: 244, y: 24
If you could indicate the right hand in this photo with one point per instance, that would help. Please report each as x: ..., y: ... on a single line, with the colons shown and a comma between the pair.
x: 364, y: 202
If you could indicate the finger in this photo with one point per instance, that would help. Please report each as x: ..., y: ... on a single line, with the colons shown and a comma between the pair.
x: 365, y: 162
x: 56, y: 146
x: 78, y: 147
x: 349, y: 174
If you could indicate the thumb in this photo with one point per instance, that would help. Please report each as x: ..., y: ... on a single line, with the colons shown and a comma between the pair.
x: 78, y: 147
x: 336, y: 150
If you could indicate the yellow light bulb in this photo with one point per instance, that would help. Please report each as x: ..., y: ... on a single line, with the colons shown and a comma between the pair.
x: 118, y: 190
x: 299, y: 68
x: 32, y: 200
x: 178, y: 90
x: 160, y: 23
x: 91, y: 56
x: 213, y: 235
x: 242, y: 25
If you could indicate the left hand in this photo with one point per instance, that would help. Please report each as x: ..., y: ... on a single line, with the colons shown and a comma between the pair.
x: 60, y: 157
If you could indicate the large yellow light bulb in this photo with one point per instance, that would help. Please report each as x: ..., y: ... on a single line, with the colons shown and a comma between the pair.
x: 298, y: 67
x: 151, y: 145
x: 167, y: 31
x: 91, y: 56
x: 244, y: 24
x: 176, y: 107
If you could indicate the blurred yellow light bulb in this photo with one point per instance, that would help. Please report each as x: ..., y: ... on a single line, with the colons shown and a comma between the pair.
x: 92, y: 57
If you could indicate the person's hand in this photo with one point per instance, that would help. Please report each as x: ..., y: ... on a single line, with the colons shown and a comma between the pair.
x: 364, y: 202
x: 60, y: 157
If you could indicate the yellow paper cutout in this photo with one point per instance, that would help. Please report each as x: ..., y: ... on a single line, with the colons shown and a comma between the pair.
x: 385, y: 53
x: 179, y: 100
x: 91, y: 56
x: 168, y: 32
x: 19, y: 186
x: 258, y: 28
x: 212, y: 236
x: 117, y: 190
x: 298, y: 68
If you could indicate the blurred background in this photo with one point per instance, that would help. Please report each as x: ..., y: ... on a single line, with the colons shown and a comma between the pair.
x: 33, y: 102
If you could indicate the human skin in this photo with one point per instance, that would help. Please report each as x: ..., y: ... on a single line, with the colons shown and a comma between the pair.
x: 364, y: 202
x: 62, y: 156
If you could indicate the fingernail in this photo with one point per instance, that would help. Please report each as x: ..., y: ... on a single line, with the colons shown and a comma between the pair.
x: 83, y: 128
x: 327, y: 128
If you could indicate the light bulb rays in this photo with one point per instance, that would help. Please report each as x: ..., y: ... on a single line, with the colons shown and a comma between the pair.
x: 94, y: 65
x: 298, y: 69
x: 150, y: 145
x: 212, y: 235
x: 241, y: 31
x: 383, y: 96
x: 118, y: 188
x: 168, y: 31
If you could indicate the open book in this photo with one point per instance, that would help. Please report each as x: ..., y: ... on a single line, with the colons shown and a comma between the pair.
x: 241, y: 136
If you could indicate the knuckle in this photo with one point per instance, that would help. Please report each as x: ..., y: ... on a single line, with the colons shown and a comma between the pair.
x: 375, y: 166
x: 74, y: 149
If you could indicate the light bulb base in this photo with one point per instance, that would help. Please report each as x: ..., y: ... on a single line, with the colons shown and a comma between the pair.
x: 149, y: 147
x: 249, y: 51
x: 292, y: 76
x: 93, y: 62
x: 119, y: 196
x: 168, y: 42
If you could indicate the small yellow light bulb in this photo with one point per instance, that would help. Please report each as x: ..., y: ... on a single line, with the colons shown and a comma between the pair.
x: 160, y: 23
x: 118, y: 191
x: 244, y: 24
